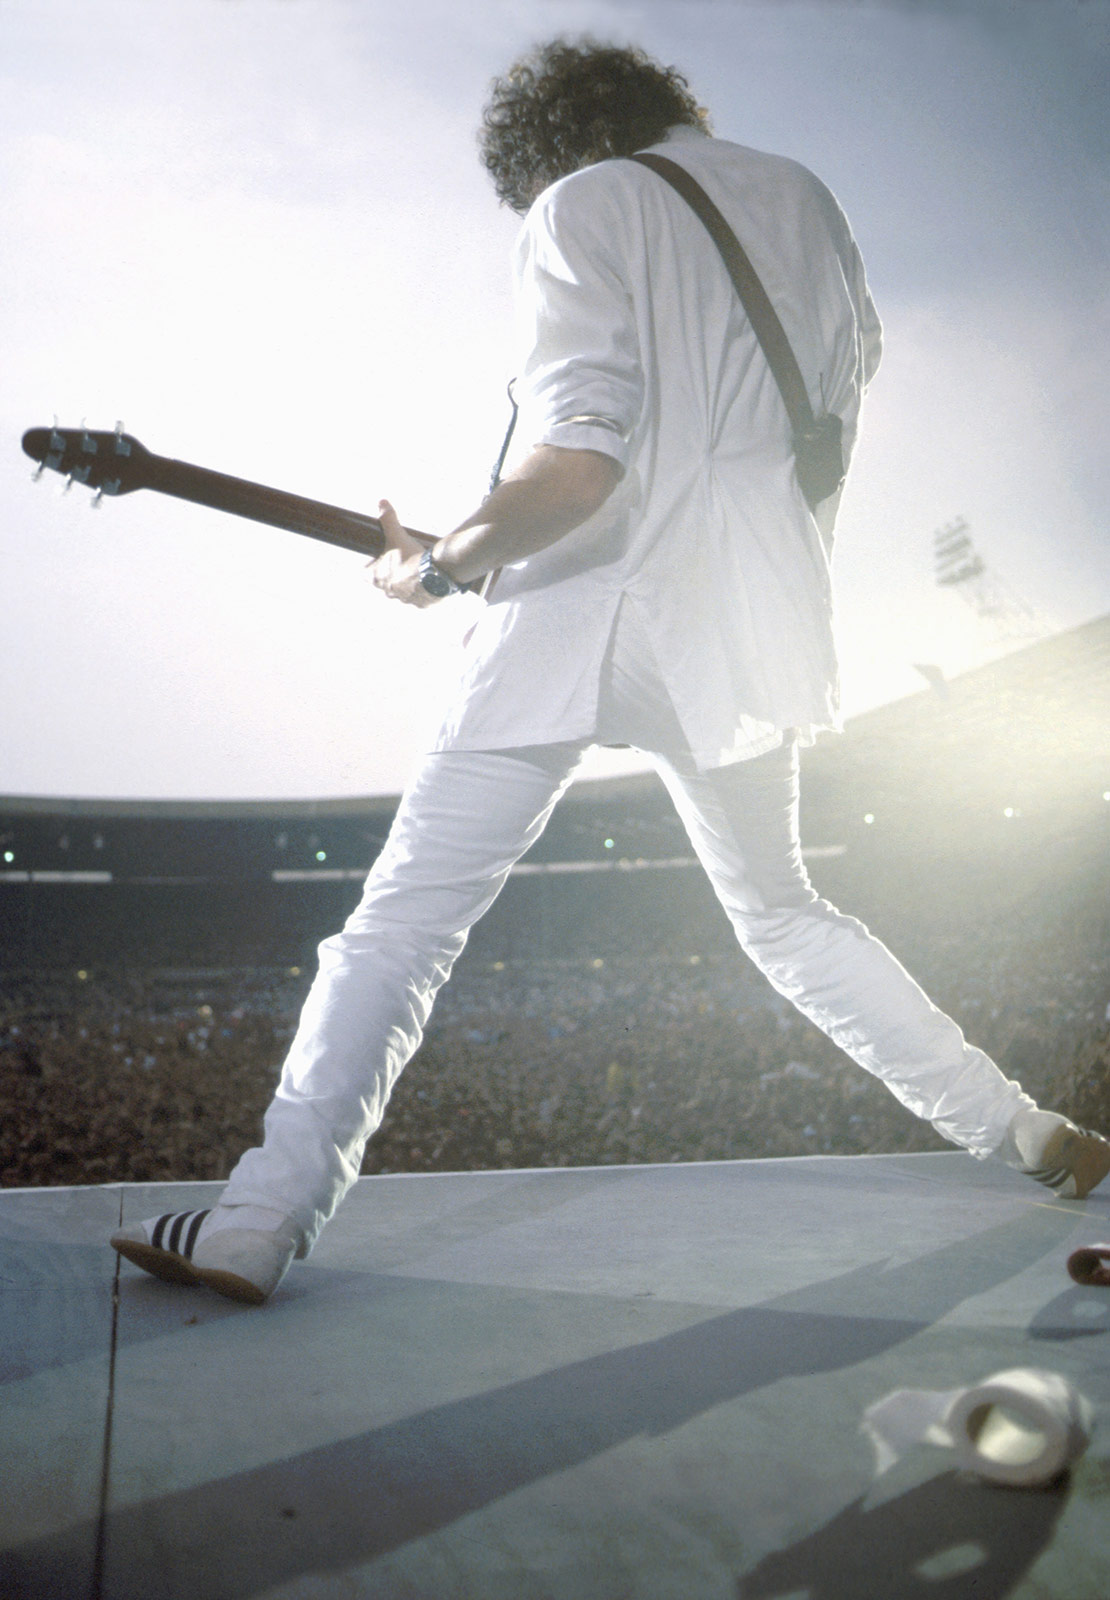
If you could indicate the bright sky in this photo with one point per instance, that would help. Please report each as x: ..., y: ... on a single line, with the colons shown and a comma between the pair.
x: 257, y: 232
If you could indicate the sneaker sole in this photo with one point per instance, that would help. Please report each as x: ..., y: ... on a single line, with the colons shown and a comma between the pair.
x: 172, y: 1268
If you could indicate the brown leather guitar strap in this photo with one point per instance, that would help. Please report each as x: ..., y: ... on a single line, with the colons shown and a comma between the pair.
x: 818, y: 452
x: 753, y: 297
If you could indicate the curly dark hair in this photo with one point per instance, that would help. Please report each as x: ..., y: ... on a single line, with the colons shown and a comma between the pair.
x: 568, y: 104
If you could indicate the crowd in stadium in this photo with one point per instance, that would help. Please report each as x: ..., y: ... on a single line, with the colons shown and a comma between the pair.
x: 641, y: 1055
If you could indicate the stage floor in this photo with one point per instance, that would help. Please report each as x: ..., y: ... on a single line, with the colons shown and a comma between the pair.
x: 625, y: 1383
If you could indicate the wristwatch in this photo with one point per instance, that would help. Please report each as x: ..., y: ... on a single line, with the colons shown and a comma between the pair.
x: 434, y: 579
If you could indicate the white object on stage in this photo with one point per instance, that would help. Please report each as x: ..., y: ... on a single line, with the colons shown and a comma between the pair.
x: 1021, y: 1427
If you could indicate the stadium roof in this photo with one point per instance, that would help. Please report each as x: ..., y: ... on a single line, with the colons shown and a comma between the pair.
x: 1029, y: 730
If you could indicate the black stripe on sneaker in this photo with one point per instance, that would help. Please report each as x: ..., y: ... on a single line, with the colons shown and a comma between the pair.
x: 159, y: 1230
x: 176, y: 1231
x: 191, y: 1236
x: 1052, y: 1177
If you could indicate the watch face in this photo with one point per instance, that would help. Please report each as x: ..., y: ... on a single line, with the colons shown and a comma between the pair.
x: 436, y: 582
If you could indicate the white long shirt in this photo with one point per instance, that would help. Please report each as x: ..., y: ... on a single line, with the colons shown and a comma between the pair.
x: 633, y: 343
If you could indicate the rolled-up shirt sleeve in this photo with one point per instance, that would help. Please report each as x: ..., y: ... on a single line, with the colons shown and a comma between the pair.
x: 580, y: 382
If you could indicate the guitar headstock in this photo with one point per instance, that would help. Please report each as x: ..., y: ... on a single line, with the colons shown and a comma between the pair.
x: 112, y: 463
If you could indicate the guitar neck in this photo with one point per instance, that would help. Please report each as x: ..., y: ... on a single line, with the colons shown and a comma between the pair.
x: 350, y: 530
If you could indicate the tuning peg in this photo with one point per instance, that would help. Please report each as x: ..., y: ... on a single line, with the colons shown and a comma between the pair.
x: 94, y: 503
x: 88, y: 443
x: 38, y: 472
x: 68, y: 485
x: 123, y: 445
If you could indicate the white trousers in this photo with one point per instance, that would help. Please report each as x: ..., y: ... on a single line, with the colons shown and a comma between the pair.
x: 465, y: 818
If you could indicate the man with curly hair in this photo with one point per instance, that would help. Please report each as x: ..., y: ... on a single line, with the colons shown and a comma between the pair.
x: 654, y: 576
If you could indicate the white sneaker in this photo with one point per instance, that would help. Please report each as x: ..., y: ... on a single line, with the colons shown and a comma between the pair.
x: 1046, y: 1146
x: 204, y: 1247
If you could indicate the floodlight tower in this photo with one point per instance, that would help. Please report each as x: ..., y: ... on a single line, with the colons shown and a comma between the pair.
x: 959, y: 566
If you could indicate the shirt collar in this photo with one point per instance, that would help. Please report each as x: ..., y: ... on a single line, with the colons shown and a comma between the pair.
x: 682, y: 132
